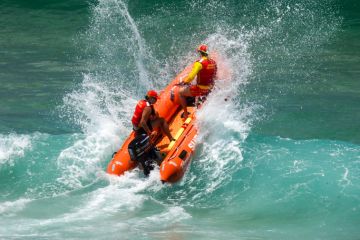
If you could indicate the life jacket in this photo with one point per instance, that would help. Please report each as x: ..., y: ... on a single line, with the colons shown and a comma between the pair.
x: 207, y: 74
x: 139, y: 111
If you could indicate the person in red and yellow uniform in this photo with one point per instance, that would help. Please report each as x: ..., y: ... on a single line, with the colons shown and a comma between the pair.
x: 204, y: 70
x: 145, y: 119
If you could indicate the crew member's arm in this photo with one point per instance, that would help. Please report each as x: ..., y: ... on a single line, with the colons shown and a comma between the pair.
x: 195, y: 70
x: 156, y: 114
x: 144, y: 118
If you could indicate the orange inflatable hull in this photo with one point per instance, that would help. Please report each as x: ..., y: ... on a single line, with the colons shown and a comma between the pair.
x: 177, y: 155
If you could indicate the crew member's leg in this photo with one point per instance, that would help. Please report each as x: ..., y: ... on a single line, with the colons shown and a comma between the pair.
x: 162, y: 124
x: 184, y: 92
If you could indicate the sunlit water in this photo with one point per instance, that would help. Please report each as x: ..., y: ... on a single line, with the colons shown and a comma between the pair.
x: 277, y: 155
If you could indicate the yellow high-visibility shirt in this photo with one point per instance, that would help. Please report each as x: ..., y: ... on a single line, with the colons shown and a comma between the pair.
x: 195, y: 70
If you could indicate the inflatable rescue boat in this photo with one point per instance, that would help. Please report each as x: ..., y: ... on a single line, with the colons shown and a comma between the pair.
x: 174, y: 156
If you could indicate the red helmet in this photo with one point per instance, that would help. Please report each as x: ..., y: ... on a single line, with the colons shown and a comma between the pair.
x: 202, y: 48
x: 152, y: 93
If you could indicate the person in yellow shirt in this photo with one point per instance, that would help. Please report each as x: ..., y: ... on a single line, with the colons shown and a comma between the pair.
x: 204, y: 70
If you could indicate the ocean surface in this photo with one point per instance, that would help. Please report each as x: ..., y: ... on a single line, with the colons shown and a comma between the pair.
x: 279, y: 160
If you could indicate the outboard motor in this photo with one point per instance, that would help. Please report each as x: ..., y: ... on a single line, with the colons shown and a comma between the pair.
x: 142, y: 151
x: 190, y: 101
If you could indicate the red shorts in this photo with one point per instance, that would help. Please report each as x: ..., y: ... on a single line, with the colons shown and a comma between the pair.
x: 195, y: 91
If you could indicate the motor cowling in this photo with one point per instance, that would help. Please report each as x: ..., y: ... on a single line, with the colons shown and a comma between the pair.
x: 141, y: 150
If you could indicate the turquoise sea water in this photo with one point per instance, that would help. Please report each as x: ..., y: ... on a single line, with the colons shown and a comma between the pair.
x: 280, y: 160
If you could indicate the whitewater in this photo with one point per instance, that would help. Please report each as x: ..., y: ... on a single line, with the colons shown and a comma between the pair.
x: 244, y: 182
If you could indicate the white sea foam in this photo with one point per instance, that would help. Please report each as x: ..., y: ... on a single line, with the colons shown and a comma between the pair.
x: 102, y: 113
x: 103, y: 103
x: 121, y: 197
x: 102, y: 107
x: 344, y: 181
x: 171, y: 215
x: 113, y: 36
x: 13, y: 146
x: 10, y: 208
x: 224, y: 121
x: 103, y: 110
x: 139, y: 56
